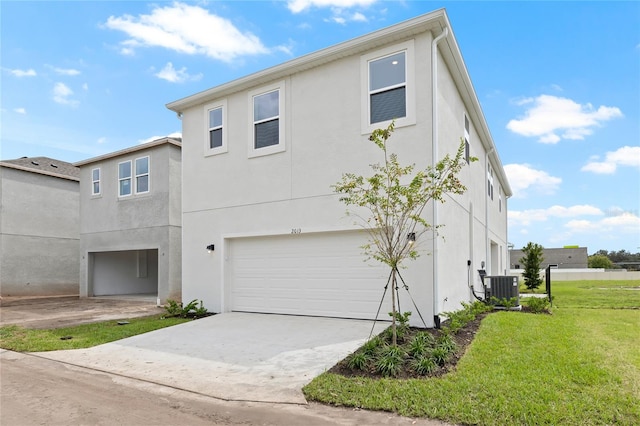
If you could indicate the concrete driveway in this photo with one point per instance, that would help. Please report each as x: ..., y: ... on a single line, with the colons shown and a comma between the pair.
x: 232, y: 356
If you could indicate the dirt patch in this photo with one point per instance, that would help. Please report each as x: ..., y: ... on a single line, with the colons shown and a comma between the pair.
x: 57, y: 312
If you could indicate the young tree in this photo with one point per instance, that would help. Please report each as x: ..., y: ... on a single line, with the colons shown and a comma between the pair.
x: 599, y: 261
x: 394, y: 198
x: 532, y: 260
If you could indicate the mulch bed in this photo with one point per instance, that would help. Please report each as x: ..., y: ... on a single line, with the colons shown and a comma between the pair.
x: 463, y: 339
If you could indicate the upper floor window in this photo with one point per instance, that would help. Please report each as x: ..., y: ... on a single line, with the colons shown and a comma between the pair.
x: 388, y: 87
x: 95, y: 181
x: 124, y: 178
x: 267, y: 133
x: 215, y: 138
x: 499, y: 198
x: 215, y: 128
x: 489, y: 181
x: 466, y: 139
x: 142, y: 175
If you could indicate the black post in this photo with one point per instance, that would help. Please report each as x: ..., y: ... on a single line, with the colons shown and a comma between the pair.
x: 547, y: 275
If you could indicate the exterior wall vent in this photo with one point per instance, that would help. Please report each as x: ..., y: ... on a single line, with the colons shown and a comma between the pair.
x: 502, y: 287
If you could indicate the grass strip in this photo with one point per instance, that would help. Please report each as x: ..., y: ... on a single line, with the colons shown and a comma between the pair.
x: 22, y: 339
x: 580, y: 365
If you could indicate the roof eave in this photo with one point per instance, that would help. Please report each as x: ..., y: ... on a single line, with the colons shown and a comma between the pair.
x: 431, y: 21
x: 38, y: 171
x: 129, y: 150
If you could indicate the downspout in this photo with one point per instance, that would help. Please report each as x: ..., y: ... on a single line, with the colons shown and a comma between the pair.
x: 434, y: 156
x: 487, y: 245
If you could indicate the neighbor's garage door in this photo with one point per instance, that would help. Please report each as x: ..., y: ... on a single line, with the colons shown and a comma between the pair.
x: 320, y: 274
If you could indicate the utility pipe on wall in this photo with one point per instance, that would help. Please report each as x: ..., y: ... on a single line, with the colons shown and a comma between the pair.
x: 434, y: 156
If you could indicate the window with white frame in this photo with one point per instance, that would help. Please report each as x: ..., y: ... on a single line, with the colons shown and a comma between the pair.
x: 95, y: 181
x: 124, y: 178
x: 466, y: 139
x: 215, y: 138
x: 142, y: 175
x: 489, y: 181
x: 388, y: 87
x: 267, y: 112
x: 499, y: 198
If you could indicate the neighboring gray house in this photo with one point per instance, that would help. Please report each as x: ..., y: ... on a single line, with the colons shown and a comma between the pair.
x: 38, y: 227
x: 565, y: 258
x: 261, y: 153
x: 130, y: 222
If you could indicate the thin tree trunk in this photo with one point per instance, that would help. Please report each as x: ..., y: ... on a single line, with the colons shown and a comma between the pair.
x: 394, y: 338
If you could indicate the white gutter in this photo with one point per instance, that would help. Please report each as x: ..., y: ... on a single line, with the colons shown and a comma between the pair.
x: 434, y: 156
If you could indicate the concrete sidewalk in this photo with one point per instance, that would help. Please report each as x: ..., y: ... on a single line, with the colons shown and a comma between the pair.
x: 231, y: 356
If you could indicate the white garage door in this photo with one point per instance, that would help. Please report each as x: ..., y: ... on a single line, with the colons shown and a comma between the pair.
x: 319, y: 274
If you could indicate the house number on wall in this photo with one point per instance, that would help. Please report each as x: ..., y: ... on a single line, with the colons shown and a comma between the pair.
x: 296, y: 231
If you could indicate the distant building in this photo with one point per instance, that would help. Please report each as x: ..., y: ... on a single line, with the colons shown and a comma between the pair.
x: 130, y: 222
x: 565, y: 258
x: 39, y: 237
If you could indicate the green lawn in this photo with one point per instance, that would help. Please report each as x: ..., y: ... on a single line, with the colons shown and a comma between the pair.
x: 580, y: 365
x: 22, y: 339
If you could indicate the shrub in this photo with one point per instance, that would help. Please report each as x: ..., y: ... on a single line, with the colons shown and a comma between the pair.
x: 390, y: 361
x: 439, y: 355
x: 192, y: 309
x: 446, y: 341
x: 418, y: 348
x: 460, y: 318
x: 173, y: 308
x: 358, y: 360
x: 425, y: 365
x: 372, y: 345
x: 427, y: 338
x: 504, y: 302
x: 538, y: 304
x: 402, y: 326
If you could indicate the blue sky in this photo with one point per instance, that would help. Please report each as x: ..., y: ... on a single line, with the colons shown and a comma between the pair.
x: 559, y: 83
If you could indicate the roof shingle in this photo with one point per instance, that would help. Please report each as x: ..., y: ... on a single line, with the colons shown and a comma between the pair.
x: 44, y: 165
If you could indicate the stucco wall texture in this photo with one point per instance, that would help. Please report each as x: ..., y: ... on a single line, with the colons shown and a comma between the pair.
x: 39, y: 237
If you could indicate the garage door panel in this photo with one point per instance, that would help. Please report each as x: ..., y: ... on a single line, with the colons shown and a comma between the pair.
x: 307, y: 274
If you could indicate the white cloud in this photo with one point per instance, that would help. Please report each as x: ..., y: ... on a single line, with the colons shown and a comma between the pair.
x: 176, y: 76
x: 22, y: 73
x: 551, y: 119
x: 297, y: 6
x: 522, y: 177
x: 626, y: 222
x: 62, y: 95
x: 186, y: 29
x: 625, y: 156
x: 526, y: 217
x: 64, y: 71
x: 85, y: 86
x: 102, y: 140
x: 340, y: 17
x: 20, y: 110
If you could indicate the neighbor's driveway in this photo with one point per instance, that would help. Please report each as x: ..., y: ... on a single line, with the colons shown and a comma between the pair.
x: 233, y: 356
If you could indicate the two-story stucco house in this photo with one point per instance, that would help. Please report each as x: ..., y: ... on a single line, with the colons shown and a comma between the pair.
x: 38, y: 227
x: 261, y: 153
x: 130, y: 222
